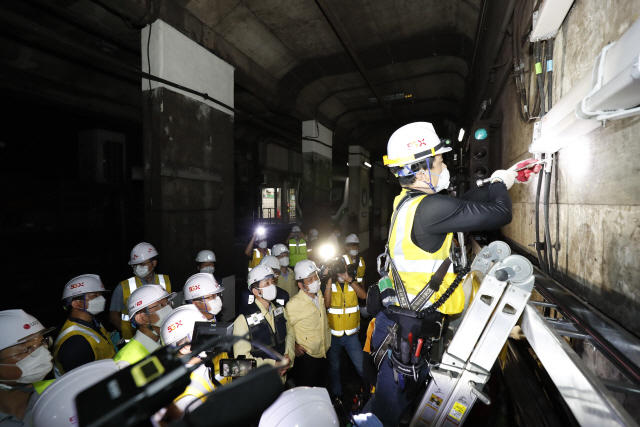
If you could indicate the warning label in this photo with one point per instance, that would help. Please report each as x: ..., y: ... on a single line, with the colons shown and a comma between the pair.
x: 435, y: 401
x: 458, y: 411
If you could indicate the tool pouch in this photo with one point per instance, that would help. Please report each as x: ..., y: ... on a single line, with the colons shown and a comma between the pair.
x: 374, y: 301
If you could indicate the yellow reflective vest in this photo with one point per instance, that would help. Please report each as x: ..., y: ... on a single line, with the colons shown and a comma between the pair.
x: 100, y: 344
x: 128, y: 286
x: 415, y: 265
x: 133, y: 352
x: 344, y: 313
x: 257, y: 257
x: 297, y: 251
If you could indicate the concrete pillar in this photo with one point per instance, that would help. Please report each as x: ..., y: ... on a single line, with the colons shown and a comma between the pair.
x: 315, y: 187
x: 188, y: 158
x: 381, y: 202
x: 359, y: 197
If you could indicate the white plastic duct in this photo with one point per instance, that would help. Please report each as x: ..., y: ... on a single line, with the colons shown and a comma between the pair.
x: 548, y: 18
x: 610, y: 86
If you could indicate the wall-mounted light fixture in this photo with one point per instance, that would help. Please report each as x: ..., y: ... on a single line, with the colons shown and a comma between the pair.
x: 461, y: 135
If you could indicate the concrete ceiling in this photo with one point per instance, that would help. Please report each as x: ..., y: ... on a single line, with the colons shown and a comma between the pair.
x: 291, y: 64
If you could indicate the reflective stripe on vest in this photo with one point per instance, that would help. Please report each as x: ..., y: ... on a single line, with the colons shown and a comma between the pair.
x: 416, y: 266
x: 344, y: 312
x: 102, y: 346
x: 199, y: 387
x: 78, y: 328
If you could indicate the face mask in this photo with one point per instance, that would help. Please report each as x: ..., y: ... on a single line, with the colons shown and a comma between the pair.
x: 314, y: 287
x: 96, y: 305
x: 162, y: 314
x: 353, y: 252
x: 269, y: 293
x: 141, y: 271
x: 208, y: 270
x: 214, y: 306
x: 338, y: 234
x: 296, y: 234
x: 284, y: 261
x: 443, y: 182
x: 35, y: 366
x: 262, y: 244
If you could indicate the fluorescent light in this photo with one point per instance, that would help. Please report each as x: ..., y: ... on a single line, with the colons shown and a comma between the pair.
x: 367, y: 164
x: 347, y: 163
x: 461, y: 135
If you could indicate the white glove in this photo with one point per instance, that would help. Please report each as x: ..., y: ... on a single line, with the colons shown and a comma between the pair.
x: 506, y: 176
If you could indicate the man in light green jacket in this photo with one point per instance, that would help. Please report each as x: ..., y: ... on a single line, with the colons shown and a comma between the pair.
x: 308, y: 318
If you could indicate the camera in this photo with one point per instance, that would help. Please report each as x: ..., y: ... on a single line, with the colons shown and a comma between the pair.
x: 330, y: 269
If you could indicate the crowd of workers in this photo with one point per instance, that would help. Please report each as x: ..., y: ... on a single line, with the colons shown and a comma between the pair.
x: 284, y: 306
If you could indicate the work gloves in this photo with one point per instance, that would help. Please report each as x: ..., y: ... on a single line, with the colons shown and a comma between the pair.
x: 506, y: 176
x: 525, y: 174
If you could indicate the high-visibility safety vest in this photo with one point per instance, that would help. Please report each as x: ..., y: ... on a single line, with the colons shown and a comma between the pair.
x: 40, y: 386
x: 361, y: 267
x: 101, y: 345
x: 297, y: 251
x: 128, y: 286
x: 344, y: 313
x: 201, y: 384
x: 132, y: 352
x: 416, y: 266
x: 257, y: 257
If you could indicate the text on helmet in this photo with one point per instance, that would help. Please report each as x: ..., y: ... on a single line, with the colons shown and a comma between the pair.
x: 193, y: 288
x: 417, y: 144
x: 138, y: 303
x: 77, y: 285
x: 174, y: 326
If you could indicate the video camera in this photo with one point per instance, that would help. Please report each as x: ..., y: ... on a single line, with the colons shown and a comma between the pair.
x: 330, y: 269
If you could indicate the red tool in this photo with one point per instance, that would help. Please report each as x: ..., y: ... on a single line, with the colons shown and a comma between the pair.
x: 419, y: 347
x: 411, y: 339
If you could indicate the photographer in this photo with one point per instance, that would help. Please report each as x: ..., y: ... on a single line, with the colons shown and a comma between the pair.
x: 255, y: 255
x: 308, y: 318
x: 341, y: 301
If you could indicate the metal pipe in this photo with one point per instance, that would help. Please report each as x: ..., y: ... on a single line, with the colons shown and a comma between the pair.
x: 343, y: 38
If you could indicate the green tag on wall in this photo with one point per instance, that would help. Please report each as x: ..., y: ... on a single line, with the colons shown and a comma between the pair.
x: 538, y: 68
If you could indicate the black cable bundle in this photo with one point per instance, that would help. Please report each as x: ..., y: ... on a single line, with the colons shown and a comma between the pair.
x: 444, y: 297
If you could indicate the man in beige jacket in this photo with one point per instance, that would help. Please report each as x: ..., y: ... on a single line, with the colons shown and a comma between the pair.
x: 308, y: 318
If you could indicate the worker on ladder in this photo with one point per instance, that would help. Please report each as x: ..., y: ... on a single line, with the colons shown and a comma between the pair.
x: 418, y: 262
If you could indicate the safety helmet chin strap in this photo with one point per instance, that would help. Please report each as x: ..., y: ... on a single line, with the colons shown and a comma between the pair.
x: 84, y: 304
x: 406, y: 171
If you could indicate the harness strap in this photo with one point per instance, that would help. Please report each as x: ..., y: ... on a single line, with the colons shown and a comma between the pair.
x: 403, y: 299
x: 381, y: 352
x: 432, y: 287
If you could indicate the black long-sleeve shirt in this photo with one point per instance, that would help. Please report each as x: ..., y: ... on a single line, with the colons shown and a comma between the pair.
x: 483, y: 208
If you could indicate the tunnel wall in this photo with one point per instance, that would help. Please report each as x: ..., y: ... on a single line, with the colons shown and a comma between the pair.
x: 594, y: 213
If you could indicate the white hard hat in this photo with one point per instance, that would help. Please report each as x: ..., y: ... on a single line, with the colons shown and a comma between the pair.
x: 352, y: 239
x: 301, y: 406
x: 83, y: 285
x: 279, y: 249
x: 259, y: 273
x: 16, y: 327
x: 313, y: 233
x: 206, y: 256
x: 56, y: 406
x: 270, y: 261
x: 201, y: 285
x: 179, y: 324
x: 413, y: 142
x: 146, y: 295
x: 141, y: 253
x: 295, y: 229
x: 304, y: 269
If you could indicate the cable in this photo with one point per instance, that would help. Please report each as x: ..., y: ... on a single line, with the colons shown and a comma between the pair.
x: 538, y: 244
x: 549, y: 248
x: 537, y: 54
x: 549, y: 56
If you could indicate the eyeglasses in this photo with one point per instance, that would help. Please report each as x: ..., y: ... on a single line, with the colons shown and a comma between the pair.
x: 161, y: 305
x: 143, y: 264
x: 46, y: 343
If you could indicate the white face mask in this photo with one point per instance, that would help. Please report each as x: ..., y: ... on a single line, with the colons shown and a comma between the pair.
x: 269, y: 293
x: 214, y: 306
x: 314, y: 287
x: 141, y: 271
x: 262, y: 244
x: 208, y: 270
x: 96, y: 305
x: 338, y: 234
x: 284, y: 261
x: 353, y: 252
x: 444, y: 181
x: 162, y: 314
x: 35, y: 366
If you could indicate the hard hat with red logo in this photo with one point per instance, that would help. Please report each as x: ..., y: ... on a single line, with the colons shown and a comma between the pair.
x: 146, y: 295
x: 412, y: 143
x: 16, y: 327
x: 179, y: 324
x: 201, y: 285
x: 352, y: 239
x: 84, y: 284
x: 141, y: 253
x: 56, y: 405
x: 279, y: 249
x: 259, y: 273
x: 271, y: 261
x: 206, y: 256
